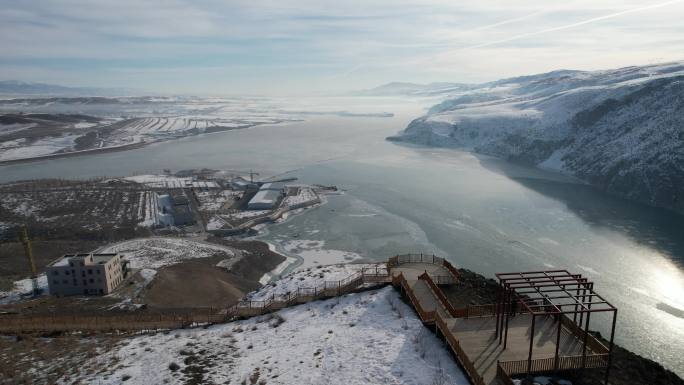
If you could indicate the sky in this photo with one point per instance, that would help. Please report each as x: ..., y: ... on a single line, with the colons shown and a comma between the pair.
x: 212, y: 47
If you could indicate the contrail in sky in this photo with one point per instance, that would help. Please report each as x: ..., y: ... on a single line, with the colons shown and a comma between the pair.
x: 509, y: 21
x: 579, y: 23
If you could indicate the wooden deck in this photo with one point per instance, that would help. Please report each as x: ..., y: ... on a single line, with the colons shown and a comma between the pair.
x: 478, y: 340
x: 473, y: 339
x: 469, y: 332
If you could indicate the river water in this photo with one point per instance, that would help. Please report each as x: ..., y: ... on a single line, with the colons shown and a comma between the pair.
x: 484, y: 214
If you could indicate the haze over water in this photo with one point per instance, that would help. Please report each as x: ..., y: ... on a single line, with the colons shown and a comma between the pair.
x: 484, y: 214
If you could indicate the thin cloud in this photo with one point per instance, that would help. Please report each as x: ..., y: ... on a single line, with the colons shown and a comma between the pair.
x: 577, y: 24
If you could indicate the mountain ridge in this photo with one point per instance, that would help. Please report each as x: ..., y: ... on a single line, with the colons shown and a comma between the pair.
x: 17, y: 87
x: 620, y: 130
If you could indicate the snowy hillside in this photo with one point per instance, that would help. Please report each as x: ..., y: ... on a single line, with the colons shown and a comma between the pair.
x: 365, y: 338
x: 621, y: 130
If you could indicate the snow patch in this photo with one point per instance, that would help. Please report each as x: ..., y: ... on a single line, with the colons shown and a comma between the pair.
x: 365, y: 338
x: 153, y: 253
x: 313, y: 253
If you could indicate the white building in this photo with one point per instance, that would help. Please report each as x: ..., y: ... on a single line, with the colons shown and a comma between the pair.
x: 264, y: 200
x: 89, y: 274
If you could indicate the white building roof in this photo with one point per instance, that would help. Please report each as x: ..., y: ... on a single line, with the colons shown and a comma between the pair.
x: 265, y: 197
x: 97, y: 258
x: 278, y: 186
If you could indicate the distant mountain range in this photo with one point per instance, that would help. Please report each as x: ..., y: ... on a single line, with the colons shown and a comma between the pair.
x: 621, y: 130
x: 414, y: 89
x: 18, y: 88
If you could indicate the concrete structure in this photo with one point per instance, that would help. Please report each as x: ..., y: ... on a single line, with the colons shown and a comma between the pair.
x: 275, y: 186
x: 174, y: 210
x: 89, y: 274
x: 264, y: 200
x: 242, y: 184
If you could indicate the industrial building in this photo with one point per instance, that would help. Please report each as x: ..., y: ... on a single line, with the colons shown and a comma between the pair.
x: 89, y: 274
x: 267, y: 197
x: 275, y: 186
x: 242, y: 184
x: 264, y: 200
x: 174, y: 210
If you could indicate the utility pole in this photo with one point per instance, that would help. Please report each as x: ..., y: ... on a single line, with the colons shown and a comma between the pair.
x: 251, y: 175
x: 29, y: 255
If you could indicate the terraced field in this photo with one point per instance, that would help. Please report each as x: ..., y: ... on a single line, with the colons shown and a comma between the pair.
x: 86, y: 212
x: 33, y: 128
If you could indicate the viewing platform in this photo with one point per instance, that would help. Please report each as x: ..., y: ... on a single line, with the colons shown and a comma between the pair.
x: 539, y: 325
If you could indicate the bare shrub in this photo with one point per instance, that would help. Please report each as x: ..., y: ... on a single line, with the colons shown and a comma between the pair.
x: 421, y: 343
x: 276, y: 321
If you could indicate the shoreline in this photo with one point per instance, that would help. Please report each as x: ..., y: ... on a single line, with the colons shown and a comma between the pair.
x: 130, y: 146
x: 70, y: 154
x: 277, y: 273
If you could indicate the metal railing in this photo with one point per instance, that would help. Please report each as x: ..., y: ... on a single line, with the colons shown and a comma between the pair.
x: 439, y: 294
x: 423, y: 258
x: 182, y: 318
x: 426, y: 316
x: 307, y: 294
x: 480, y: 310
x: 507, y: 369
x: 592, y: 342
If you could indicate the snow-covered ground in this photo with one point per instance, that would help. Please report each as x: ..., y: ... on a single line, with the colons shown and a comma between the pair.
x: 130, y: 120
x: 214, y: 200
x: 147, y: 254
x: 156, y: 252
x: 170, y: 181
x: 215, y: 223
x: 43, y: 146
x: 305, y: 196
x: 79, y: 208
x: 364, y: 338
x: 147, y: 209
x: 310, y: 277
x: 24, y: 287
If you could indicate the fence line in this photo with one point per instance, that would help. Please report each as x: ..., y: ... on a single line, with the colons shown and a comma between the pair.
x: 177, y: 318
x: 507, y: 369
x: 423, y: 258
x: 425, y: 315
x: 439, y: 294
x: 455, y: 346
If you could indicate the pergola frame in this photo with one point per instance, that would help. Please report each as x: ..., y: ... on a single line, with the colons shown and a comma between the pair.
x: 551, y: 292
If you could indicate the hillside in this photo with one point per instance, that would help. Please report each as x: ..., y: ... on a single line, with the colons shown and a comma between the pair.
x: 15, y: 87
x: 620, y: 130
x: 364, y: 338
x: 415, y: 89
x: 371, y: 337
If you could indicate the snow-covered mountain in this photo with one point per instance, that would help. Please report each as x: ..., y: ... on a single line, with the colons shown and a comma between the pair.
x: 415, y: 89
x: 621, y: 130
x: 15, y: 87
